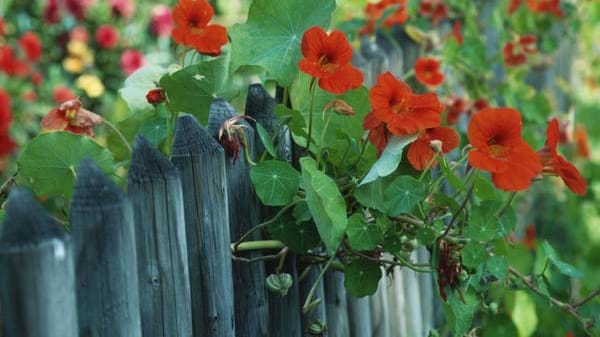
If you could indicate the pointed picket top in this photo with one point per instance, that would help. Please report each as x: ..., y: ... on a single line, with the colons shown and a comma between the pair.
x: 260, y: 106
x: 93, y: 188
x: 220, y: 111
x: 192, y: 139
x: 26, y: 222
x: 148, y: 163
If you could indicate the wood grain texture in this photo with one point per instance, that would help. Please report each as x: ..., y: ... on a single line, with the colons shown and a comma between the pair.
x: 154, y: 188
x: 251, y: 305
x: 37, y: 287
x: 105, y: 254
x: 359, y: 316
x: 335, y: 305
x: 201, y: 163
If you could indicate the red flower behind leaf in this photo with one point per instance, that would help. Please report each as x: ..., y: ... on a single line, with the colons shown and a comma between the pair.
x: 191, y: 19
x: 327, y: 58
x: 427, y: 71
x: 374, y: 12
x: 455, y: 107
x: 378, y: 133
x: 435, y: 9
x: 403, y: 112
x: 71, y: 116
x: 399, y: 16
x: 581, y: 141
x: 107, y: 36
x: 31, y: 45
x: 156, y: 96
x: 495, y: 134
x: 545, y: 6
x: 456, y: 32
x: 512, y: 56
x: 420, y: 152
x: 554, y: 164
x: 51, y: 12
x: 529, y: 237
x: 5, y: 111
x: 61, y: 94
x: 1, y: 26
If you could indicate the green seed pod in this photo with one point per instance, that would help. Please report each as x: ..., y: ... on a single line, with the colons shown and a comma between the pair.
x: 279, y: 284
x: 493, y: 307
x: 463, y: 275
x: 316, y: 328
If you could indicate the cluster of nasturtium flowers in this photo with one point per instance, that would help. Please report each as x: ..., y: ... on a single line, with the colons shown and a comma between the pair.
x: 496, y: 144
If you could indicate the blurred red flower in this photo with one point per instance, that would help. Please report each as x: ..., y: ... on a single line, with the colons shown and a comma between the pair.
x: 495, y: 134
x: 162, y: 21
x: 545, y: 6
x: 457, y: 34
x: 5, y: 110
x: 581, y: 141
x: 427, y: 71
x: 79, y: 33
x: 122, y: 8
x: 131, y: 60
x: 51, y: 12
x: 1, y: 26
x: 435, y: 9
x: 10, y: 64
x: 327, y: 58
x: 455, y: 107
x: 403, y: 112
x: 554, y: 164
x: 71, y: 116
x: 420, y: 152
x: 511, y: 56
x: 61, y: 94
x: 399, y: 16
x: 156, y: 96
x: 107, y: 36
x: 32, y: 46
x: 78, y: 8
x: 37, y: 78
x: 191, y: 19
x: 529, y: 237
x: 29, y: 96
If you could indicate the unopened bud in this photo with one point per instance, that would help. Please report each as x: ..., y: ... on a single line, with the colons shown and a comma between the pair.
x: 493, y: 307
x: 156, y: 96
x: 436, y: 145
x: 339, y: 107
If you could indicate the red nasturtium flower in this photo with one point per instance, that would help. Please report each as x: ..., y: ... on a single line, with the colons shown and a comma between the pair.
x: 378, y: 132
x: 51, y: 12
x: 427, y: 71
x: 5, y: 110
x: 495, y: 134
x: 10, y: 64
x: 436, y: 9
x: 31, y: 45
x: 1, y: 26
x: 582, y: 146
x: 420, y: 152
x: 399, y: 16
x: 403, y: 112
x: 545, y: 6
x: 191, y: 19
x: 515, y: 52
x: 327, y: 58
x: 107, y: 36
x: 71, y: 116
x: 554, y: 164
x: 456, y: 33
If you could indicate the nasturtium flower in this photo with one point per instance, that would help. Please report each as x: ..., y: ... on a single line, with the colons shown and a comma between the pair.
x: 1, y: 27
x: 403, y: 112
x: 512, y: 55
x: 374, y: 11
x: 12, y: 65
x: 107, y: 37
x: 435, y: 9
x: 455, y: 107
x: 456, y: 32
x: 31, y: 45
x: 51, y: 12
x: 191, y: 19
x: 378, y: 133
x: 495, y: 134
x: 427, y: 71
x: 582, y: 145
x: 399, y: 16
x: 327, y: 58
x: 71, y: 116
x: 538, y: 6
x: 556, y: 165
x: 5, y: 110
x: 421, y: 152
x: 156, y: 96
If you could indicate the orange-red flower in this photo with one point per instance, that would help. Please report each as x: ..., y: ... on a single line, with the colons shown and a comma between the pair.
x: 457, y: 34
x: 554, y: 164
x: 529, y: 237
x: 191, y: 18
x: 436, y: 9
x: 545, y: 6
x: 71, y: 116
x: 399, y: 16
x: 1, y: 26
x: 327, y: 58
x: 378, y: 133
x: 427, y: 71
x: 495, y: 134
x: 420, y: 152
x: 403, y: 112
x: 374, y: 11
x: 31, y: 45
x: 582, y: 146
x: 455, y: 107
x: 61, y: 94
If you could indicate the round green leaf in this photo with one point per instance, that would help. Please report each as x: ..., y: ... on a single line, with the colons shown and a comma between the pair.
x: 483, y: 225
x: 473, y: 254
x: 496, y: 265
x: 299, y: 236
x: 403, y: 195
x: 48, y: 164
x: 275, y: 182
x: 361, y: 234
x: 361, y: 277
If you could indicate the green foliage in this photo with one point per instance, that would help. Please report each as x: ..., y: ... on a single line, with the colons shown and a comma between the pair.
x: 275, y: 182
x: 483, y: 226
x: 266, y: 140
x: 371, y: 195
x: 361, y: 277
x: 300, y: 235
x: 403, y: 194
x: 474, y: 254
x: 271, y: 36
x: 48, y: 165
x: 459, y: 313
x: 563, y: 267
x: 390, y: 158
x: 363, y: 235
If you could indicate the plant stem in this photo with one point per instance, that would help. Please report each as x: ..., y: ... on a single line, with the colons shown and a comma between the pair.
x: 505, y: 205
x: 428, y: 167
x: 587, y: 298
x: 459, y: 210
x: 322, y: 138
x: 310, y: 114
x: 121, y: 136
x: 308, y: 302
x: 257, y: 245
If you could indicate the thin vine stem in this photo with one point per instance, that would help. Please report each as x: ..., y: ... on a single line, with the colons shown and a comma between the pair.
x: 308, y: 302
x: 312, y: 91
x: 121, y: 136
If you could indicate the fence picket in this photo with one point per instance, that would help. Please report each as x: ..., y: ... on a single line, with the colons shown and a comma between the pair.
x: 106, y: 267
x: 335, y: 304
x: 201, y: 163
x: 154, y: 188
x: 37, y: 287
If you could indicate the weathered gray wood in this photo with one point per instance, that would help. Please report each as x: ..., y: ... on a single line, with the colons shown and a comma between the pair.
x: 426, y: 287
x: 251, y: 308
x: 284, y: 311
x: 318, y: 313
x: 154, y: 188
x: 410, y: 49
x: 359, y: 316
x: 106, y: 265
x: 335, y: 304
x: 379, y: 307
x: 412, y: 294
x: 37, y: 282
x: 200, y: 160
x: 397, y: 304
x: 376, y: 60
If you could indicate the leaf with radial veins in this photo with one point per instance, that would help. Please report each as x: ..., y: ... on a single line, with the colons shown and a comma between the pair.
x: 361, y: 278
x: 403, y: 194
x: 361, y: 234
x: 325, y: 202
x: 49, y: 162
x: 275, y: 182
x: 271, y: 36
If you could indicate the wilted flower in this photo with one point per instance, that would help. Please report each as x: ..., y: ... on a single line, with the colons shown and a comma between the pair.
x: 231, y: 136
x: 71, y: 116
x: 340, y: 107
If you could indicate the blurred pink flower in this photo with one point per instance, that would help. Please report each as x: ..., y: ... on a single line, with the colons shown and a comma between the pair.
x: 131, y: 60
x: 79, y: 33
x: 122, y: 8
x: 51, y: 12
x: 77, y: 8
x: 162, y: 21
x: 107, y: 36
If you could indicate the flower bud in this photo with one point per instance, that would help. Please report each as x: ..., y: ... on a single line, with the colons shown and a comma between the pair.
x: 280, y: 283
x: 339, y: 107
x: 436, y: 145
x: 156, y: 96
x: 493, y: 307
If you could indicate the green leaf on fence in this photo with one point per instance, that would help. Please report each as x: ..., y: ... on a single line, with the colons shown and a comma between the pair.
x: 371, y: 195
x: 49, y: 162
x: 483, y: 225
x: 193, y: 88
x: 403, y: 194
x: 361, y: 277
x: 473, y: 254
x: 271, y: 36
x: 563, y: 267
x: 326, y: 204
x: 361, y: 234
x: 275, y: 182
x: 496, y: 265
x: 266, y: 140
x: 460, y: 314
x: 299, y: 236
x: 390, y: 158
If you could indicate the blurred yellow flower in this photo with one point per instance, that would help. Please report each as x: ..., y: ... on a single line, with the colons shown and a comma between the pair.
x: 78, y: 48
x: 91, y: 84
x: 73, y: 65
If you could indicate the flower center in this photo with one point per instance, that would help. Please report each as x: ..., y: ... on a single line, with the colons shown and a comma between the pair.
x: 70, y: 114
x: 398, y: 107
x: 496, y: 150
x: 326, y: 65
